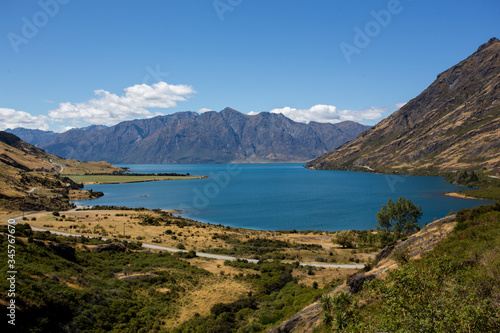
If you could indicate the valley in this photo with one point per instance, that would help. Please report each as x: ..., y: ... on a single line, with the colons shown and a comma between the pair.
x: 392, y: 227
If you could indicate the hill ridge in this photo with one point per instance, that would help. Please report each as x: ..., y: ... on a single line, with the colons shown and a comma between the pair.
x: 453, y: 124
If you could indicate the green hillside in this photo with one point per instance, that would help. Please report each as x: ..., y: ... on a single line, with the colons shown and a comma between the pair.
x: 453, y: 288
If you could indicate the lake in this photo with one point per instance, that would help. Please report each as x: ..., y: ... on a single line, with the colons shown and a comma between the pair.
x: 281, y: 196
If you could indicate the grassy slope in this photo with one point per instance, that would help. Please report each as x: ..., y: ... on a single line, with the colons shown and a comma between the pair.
x: 164, y: 229
x: 492, y: 193
x: 61, y: 289
x: 489, y: 187
x: 31, y: 179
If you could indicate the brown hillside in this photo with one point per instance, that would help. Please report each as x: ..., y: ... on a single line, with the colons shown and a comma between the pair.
x: 453, y: 124
x: 31, y: 179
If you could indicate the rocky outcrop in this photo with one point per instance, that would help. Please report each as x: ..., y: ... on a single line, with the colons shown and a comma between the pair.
x: 451, y: 125
x: 189, y: 137
x: 114, y: 247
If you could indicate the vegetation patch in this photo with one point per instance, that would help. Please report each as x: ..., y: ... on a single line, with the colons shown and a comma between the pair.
x: 453, y: 288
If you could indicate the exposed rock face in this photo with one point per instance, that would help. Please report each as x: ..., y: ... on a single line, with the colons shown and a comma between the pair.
x: 116, y: 247
x: 453, y: 124
x: 189, y: 137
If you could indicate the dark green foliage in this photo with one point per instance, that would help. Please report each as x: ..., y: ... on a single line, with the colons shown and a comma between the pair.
x: 49, y: 268
x: 491, y: 193
x: 278, y: 297
x: 345, y: 238
x: 453, y: 288
x: 36, y: 203
x: 267, y: 248
x: 401, y: 216
x: 102, y: 302
x: 401, y: 254
x: 355, y: 282
x: 338, y: 310
x: 464, y: 178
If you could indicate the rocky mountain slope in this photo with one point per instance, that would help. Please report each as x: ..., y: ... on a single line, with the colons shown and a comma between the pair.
x: 453, y: 124
x: 189, y: 137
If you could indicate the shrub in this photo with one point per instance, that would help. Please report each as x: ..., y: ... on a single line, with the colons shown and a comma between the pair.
x: 345, y: 238
x: 401, y: 254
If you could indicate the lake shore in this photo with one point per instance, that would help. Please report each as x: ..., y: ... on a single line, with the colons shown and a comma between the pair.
x: 163, y: 229
x: 248, y: 196
x: 461, y: 196
x: 122, y: 179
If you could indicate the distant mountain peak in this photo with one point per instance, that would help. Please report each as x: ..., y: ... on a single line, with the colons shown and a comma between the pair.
x: 492, y: 41
x: 230, y: 110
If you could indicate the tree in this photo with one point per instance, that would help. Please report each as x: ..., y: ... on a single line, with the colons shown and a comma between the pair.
x: 384, y: 216
x: 401, y: 216
x: 338, y: 310
x: 344, y: 238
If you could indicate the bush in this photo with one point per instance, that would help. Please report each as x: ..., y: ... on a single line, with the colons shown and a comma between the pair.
x: 401, y: 254
x: 355, y: 282
x: 345, y: 238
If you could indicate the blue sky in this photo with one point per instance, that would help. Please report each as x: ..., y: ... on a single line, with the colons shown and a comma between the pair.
x: 74, y: 63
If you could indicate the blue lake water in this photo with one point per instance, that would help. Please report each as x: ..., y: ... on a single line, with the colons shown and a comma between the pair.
x: 281, y: 196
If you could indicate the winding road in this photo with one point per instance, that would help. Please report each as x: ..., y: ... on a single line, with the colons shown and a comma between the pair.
x: 57, y: 165
x: 199, y: 254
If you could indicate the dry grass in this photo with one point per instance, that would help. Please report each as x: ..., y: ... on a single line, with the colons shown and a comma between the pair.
x: 199, y: 236
x: 323, y: 276
x: 213, y: 290
x: 217, y: 266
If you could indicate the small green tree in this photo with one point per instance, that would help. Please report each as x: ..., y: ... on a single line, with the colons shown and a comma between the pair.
x: 401, y: 216
x: 384, y: 216
x: 338, y: 310
x: 344, y: 238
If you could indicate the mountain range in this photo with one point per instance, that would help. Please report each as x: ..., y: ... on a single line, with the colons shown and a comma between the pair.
x: 453, y: 124
x: 189, y: 137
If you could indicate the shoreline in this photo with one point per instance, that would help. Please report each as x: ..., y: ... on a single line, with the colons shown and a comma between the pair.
x: 201, y: 236
x: 463, y: 196
x: 140, y: 181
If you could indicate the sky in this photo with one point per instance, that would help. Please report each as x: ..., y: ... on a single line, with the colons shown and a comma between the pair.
x: 75, y: 63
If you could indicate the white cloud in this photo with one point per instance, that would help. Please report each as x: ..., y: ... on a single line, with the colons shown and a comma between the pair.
x: 110, y: 109
x: 65, y: 128
x: 10, y: 118
x: 400, y: 105
x: 330, y: 114
x: 202, y: 110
